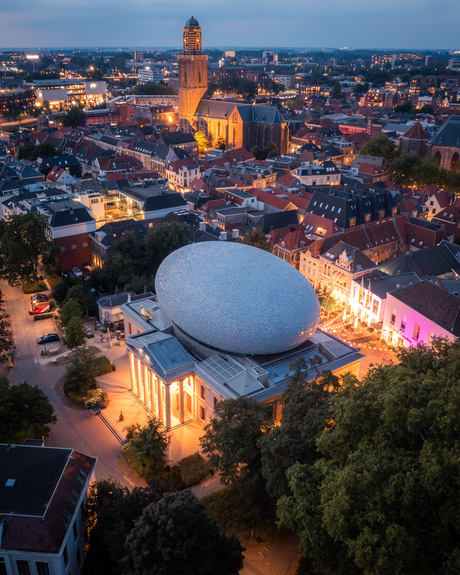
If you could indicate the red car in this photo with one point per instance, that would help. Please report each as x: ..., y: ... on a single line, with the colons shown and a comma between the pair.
x: 43, y: 307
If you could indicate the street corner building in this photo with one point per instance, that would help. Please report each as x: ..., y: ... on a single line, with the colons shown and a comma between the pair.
x: 43, y: 491
x: 227, y: 321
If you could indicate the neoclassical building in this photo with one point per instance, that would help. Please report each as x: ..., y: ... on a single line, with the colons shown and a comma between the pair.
x: 228, y: 320
x: 240, y: 125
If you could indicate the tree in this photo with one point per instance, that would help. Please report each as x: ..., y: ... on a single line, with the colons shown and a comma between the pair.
x: 380, y: 146
x: 257, y: 239
x: 31, y: 152
x: 247, y: 89
x: 180, y: 539
x: 25, y: 412
x: 230, y: 440
x: 220, y: 143
x: 70, y: 310
x: 81, y: 293
x: 405, y: 108
x: 306, y: 414
x: 271, y: 150
x: 80, y: 375
x: 427, y: 109
x: 415, y: 171
x: 387, y: 489
x: 163, y: 239
x: 112, y: 511
x: 74, y: 117
x: 23, y: 242
x: 74, y: 333
x: 203, y: 141
x: 152, y: 89
x: 6, y: 335
x: 146, y: 450
x: 336, y: 93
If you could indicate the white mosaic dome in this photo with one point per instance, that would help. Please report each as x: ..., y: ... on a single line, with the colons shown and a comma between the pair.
x: 237, y: 298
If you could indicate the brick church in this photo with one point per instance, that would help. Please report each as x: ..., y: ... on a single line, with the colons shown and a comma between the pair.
x: 237, y: 124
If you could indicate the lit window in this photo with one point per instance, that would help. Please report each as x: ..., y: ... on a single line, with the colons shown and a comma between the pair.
x: 416, y: 333
x: 202, y: 392
x: 393, y: 319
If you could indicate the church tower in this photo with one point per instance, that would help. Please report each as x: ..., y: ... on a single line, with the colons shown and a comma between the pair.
x: 193, y: 74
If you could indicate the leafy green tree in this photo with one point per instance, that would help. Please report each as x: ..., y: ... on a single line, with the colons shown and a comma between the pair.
x: 69, y: 310
x: 336, y: 93
x: 295, y: 103
x: 81, y: 293
x: 203, y: 141
x: 180, y: 539
x: 257, y: 153
x: 152, y: 89
x: 230, y: 439
x: 112, y: 511
x: 25, y: 412
x: 23, y: 242
x: 31, y: 152
x: 163, y: 239
x: 427, y: 109
x: 405, y: 108
x: 271, y: 150
x: 247, y: 89
x: 362, y: 88
x: 74, y: 117
x: 415, y: 171
x: 257, y: 239
x: 74, y: 333
x: 306, y: 414
x: 387, y: 488
x: 220, y: 143
x: 146, y: 450
x: 380, y: 146
x: 80, y: 375
x: 6, y: 335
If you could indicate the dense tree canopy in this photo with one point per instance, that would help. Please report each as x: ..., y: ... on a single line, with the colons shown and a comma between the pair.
x: 23, y: 242
x: 258, y: 239
x: 152, y: 89
x: 176, y: 536
x: 146, y: 450
x: 385, y: 496
x: 31, y: 152
x: 380, y: 146
x: 420, y: 172
x: 74, y: 117
x: 25, y: 412
x: 163, y: 239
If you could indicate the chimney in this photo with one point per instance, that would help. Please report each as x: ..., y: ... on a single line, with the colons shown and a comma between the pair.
x: 214, y: 224
x: 236, y: 234
x: 116, y: 290
x: 223, y: 236
x: 129, y: 298
x: 202, y: 226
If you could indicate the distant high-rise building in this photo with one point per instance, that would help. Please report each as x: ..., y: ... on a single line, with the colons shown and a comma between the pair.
x: 138, y: 56
x: 429, y: 60
x: 193, y: 73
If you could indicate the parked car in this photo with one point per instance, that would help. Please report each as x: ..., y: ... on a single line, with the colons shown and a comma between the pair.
x: 38, y: 297
x: 48, y: 338
x: 77, y: 272
x: 42, y: 307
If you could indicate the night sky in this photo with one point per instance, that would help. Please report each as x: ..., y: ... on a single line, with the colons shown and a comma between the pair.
x: 399, y: 24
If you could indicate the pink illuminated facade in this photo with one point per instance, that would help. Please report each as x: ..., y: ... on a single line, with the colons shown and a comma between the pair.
x: 420, y: 312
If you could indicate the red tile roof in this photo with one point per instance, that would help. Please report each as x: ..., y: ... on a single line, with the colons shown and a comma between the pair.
x: 416, y: 132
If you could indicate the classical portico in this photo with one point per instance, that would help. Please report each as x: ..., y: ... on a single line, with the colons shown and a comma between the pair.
x: 162, y: 377
x: 172, y: 402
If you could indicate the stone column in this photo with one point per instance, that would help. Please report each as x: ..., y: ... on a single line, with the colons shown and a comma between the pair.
x: 133, y: 373
x: 152, y: 392
x: 146, y: 396
x: 139, y: 380
x: 181, y: 401
x: 167, y: 408
x: 160, y: 400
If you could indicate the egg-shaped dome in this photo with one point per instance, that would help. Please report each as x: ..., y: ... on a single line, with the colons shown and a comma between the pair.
x: 191, y: 22
x: 237, y: 298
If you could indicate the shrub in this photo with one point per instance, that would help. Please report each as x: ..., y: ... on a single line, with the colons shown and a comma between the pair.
x: 193, y: 469
x: 34, y: 286
x: 103, y: 365
x: 95, y: 397
x: 54, y: 280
